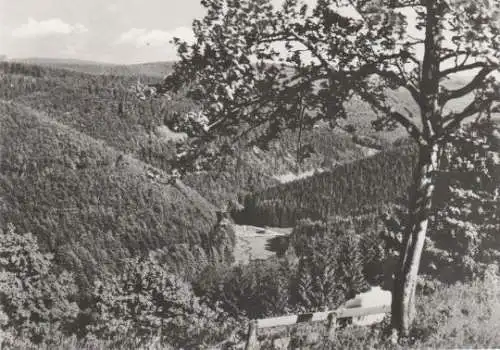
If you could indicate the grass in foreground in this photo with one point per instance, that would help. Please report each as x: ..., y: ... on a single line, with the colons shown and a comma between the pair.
x: 451, y: 317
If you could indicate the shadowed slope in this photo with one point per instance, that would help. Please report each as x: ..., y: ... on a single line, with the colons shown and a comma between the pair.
x: 87, y: 202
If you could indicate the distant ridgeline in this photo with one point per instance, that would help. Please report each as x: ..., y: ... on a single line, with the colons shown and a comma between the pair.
x: 152, y: 69
x: 351, y: 189
x: 92, y: 206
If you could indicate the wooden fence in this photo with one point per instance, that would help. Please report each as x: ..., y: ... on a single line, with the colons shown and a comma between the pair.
x: 330, y: 316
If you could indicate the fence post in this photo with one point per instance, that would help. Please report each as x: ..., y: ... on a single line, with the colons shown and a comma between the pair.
x: 332, y: 325
x: 252, y: 342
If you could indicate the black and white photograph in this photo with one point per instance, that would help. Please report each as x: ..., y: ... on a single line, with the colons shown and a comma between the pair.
x: 249, y: 174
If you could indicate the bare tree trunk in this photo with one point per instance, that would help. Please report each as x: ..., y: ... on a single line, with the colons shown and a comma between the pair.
x: 403, y: 306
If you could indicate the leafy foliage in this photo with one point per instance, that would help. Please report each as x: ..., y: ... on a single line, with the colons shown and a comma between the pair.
x: 146, y: 300
x: 463, y: 237
x: 460, y: 315
x: 256, y: 290
x: 243, y: 78
x: 320, y: 267
x: 36, y: 298
x: 465, y: 231
x: 242, y: 83
x: 330, y: 268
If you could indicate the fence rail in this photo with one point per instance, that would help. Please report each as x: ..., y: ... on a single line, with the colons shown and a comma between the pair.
x: 331, y: 316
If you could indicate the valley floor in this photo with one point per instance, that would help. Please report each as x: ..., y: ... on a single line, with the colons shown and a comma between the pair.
x: 252, y: 242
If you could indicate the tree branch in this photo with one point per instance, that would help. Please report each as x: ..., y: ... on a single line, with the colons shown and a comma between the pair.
x: 453, y: 120
x: 413, y: 58
x: 471, y: 86
x: 292, y: 36
x: 311, y: 48
x: 402, y: 82
x: 453, y: 54
x: 274, y: 38
x: 408, y: 124
x: 392, y: 76
x: 465, y: 67
x: 394, y: 4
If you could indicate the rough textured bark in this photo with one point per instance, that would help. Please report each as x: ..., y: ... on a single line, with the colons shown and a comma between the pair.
x: 403, y: 308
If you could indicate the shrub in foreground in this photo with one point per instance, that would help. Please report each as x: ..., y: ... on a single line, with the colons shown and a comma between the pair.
x: 36, y: 301
x: 330, y: 265
x: 259, y: 289
x: 147, y: 301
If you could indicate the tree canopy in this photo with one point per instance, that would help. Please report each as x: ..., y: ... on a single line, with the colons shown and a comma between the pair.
x: 254, y: 67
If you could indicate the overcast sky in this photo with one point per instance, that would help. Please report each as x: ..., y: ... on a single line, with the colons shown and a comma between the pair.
x: 117, y: 31
x: 120, y: 31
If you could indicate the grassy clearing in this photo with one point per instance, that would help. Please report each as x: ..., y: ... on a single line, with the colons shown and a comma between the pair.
x: 253, y: 242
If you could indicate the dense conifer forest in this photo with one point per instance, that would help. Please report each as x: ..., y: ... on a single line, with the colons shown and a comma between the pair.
x: 90, y: 204
x: 356, y: 188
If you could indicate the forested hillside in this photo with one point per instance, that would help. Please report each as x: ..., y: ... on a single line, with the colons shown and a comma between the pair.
x: 150, y: 69
x: 92, y: 205
x: 363, y: 186
x: 105, y: 107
